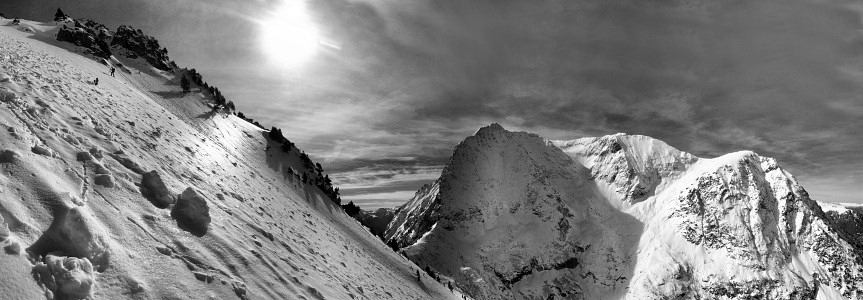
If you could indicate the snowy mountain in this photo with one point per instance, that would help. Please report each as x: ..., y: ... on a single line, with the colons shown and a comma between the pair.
x: 133, y: 189
x: 514, y: 216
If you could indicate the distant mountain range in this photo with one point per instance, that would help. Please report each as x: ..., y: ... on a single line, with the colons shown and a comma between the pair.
x: 514, y: 216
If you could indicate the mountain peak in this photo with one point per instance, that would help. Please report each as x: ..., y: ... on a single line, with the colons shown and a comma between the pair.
x: 490, y: 128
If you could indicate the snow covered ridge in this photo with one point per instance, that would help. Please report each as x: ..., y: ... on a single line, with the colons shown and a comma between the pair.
x: 132, y: 189
x: 514, y: 216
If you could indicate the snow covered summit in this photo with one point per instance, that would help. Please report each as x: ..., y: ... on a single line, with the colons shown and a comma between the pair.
x: 621, y: 216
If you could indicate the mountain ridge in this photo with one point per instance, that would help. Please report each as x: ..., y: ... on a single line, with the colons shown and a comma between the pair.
x: 680, y: 225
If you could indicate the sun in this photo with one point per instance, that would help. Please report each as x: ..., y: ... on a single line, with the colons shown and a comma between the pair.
x: 288, y: 34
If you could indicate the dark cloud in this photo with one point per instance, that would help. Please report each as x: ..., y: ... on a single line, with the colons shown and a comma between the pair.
x: 413, y: 78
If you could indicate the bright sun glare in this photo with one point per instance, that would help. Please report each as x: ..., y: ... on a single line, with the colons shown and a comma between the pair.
x: 288, y: 34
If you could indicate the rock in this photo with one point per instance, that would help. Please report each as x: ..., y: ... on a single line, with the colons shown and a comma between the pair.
x: 66, y: 277
x: 200, y: 276
x: 239, y: 289
x: 84, y: 157
x: 164, y: 250
x: 191, y: 212
x: 8, y: 156
x: 155, y: 190
x: 41, y: 150
x: 141, y: 45
x: 101, y: 169
x: 105, y: 180
x: 85, y: 38
x: 127, y: 162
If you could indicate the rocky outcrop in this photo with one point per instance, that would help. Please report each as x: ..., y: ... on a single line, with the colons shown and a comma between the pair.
x: 88, y: 34
x: 142, y: 46
x: 192, y: 212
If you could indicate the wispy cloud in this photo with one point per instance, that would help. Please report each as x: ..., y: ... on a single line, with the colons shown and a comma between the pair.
x: 410, y: 79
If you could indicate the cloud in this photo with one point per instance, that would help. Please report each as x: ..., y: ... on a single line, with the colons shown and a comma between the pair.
x: 775, y: 77
x: 413, y: 78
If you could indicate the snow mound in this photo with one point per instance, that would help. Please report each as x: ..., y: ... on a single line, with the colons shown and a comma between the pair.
x: 192, y: 212
x: 65, y: 277
x: 75, y: 232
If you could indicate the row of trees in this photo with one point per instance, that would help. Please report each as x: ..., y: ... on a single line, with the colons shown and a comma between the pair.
x: 311, y: 173
x: 192, y: 75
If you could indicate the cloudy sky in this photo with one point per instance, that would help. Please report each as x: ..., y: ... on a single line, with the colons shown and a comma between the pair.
x: 381, y: 91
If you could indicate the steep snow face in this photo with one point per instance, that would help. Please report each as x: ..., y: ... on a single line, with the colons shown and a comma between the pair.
x: 92, y: 201
x: 740, y: 225
x: 628, y: 216
x: 517, y: 218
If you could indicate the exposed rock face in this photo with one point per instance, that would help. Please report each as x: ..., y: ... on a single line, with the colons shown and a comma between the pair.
x: 155, y: 190
x: 192, y: 212
x: 98, y: 41
x: 514, y: 216
x: 87, y: 34
x: 143, y: 46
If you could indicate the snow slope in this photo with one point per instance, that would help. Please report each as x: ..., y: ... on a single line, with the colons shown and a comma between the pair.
x: 83, y: 216
x: 625, y: 216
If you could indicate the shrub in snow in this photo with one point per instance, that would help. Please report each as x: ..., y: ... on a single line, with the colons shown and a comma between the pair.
x: 191, y: 212
x: 155, y: 190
